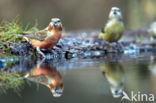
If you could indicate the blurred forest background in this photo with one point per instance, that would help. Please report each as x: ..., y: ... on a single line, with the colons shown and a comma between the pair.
x: 78, y: 14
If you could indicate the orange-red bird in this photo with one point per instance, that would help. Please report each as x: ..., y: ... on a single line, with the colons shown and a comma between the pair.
x: 46, y: 38
x: 48, y: 76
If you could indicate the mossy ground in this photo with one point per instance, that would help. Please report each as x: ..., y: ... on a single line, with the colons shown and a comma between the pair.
x: 8, y: 33
x: 8, y: 29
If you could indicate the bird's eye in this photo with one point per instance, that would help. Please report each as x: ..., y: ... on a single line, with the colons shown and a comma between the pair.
x: 57, y: 22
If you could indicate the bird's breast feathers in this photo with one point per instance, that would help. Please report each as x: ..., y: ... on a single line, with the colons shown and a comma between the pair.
x: 113, y: 31
x: 114, y: 27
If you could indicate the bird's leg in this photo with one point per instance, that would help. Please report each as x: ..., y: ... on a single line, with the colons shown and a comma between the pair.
x: 40, y: 62
x: 39, y: 51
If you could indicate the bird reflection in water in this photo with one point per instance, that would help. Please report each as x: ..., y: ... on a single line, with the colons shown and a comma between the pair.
x: 44, y: 73
x: 114, y: 73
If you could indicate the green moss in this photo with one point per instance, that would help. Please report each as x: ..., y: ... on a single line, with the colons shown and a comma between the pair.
x: 8, y: 31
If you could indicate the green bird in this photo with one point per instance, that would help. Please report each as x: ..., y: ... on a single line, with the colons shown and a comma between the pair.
x: 114, y: 28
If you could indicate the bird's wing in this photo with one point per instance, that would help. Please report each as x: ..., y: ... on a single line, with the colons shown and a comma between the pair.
x: 41, y: 35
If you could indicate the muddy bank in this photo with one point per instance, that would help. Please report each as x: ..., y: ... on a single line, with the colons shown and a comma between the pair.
x: 86, y: 44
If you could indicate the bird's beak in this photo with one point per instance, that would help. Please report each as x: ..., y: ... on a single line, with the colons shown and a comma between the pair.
x: 57, y: 24
x: 115, y: 12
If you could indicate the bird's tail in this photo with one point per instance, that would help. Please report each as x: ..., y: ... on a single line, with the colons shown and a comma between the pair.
x: 22, y: 34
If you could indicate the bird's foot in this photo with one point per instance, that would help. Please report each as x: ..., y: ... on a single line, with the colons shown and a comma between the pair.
x: 40, y: 62
x: 40, y: 52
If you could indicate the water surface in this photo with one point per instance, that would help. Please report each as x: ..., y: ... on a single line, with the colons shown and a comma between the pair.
x: 95, y: 80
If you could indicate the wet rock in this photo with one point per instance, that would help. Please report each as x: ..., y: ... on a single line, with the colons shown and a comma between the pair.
x: 69, y: 48
x: 22, y: 49
x: 75, y: 47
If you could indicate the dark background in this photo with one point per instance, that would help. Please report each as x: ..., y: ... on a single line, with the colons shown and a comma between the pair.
x: 78, y: 14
